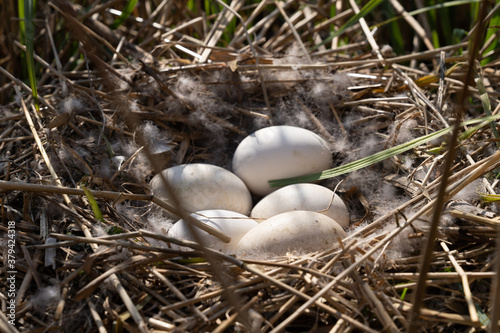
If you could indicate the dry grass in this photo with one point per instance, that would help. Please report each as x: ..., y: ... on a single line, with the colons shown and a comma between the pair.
x: 186, y: 85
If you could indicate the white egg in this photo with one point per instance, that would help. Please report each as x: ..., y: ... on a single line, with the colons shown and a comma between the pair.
x: 204, y: 186
x: 300, y: 231
x: 279, y: 152
x: 232, y: 224
x: 311, y: 197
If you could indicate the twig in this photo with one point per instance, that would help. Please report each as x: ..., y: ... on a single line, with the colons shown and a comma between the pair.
x: 465, y: 283
x: 294, y: 31
x: 413, y: 23
x: 177, y: 292
x: 97, y: 318
x: 65, y: 191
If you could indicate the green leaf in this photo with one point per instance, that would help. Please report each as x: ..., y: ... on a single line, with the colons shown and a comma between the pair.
x: 377, y: 157
x: 93, y: 203
x: 371, y: 5
x: 129, y: 7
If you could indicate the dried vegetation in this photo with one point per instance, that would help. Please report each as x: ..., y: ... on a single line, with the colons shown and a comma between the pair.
x: 185, y: 84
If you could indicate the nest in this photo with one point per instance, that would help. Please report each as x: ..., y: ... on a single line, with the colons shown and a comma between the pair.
x: 82, y: 247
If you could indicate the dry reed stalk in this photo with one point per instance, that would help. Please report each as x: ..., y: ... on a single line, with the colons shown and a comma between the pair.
x: 465, y: 283
x: 97, y: 318
x: 104, y: 194
x: 218, y: 28
x: 5, y: 325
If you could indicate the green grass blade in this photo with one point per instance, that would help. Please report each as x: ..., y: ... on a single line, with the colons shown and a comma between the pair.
x: 429, y: 8
x: 377, y: 157
x: 188, y: 261
x: 398, y: 40
x: 191, y: 5
x: 433, y: 23
x: 371, y: 5
x: 129, y: 7
x: 492, y: 28
x: 403, y: 294
x: 22, y: 26
x: 486, y: 197
x: 93, y: 203
x: 207, y: 8
x: 29, y: 6
x: 485, y: 100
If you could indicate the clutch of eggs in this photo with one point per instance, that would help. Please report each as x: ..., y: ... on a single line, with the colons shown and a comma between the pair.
x: 299, y: 217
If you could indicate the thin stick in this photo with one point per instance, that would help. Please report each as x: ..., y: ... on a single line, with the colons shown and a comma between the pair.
x: 413, y: 23
x: 437, y: 316
x: 5, y: 325
x: 218, y: 28
x: 97, y: 318
x: 337, y: 117
x: 225, y: 325
x: 379, y: 309
x: 465, y: 283
x: 177, y: 292
x: 39, y: 144
x: 65, y: 191
x: 254, y: 53
x: 25, y: 87
x: 279, y: 5
x: 368, y: 33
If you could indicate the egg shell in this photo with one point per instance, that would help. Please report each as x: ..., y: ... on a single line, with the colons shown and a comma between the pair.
x: 203, y: 186
x: 279, y: 152
x: 310, y: 197
x: 300, y: 231
x: 232, y: 224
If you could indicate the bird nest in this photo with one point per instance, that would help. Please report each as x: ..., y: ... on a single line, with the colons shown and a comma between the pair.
x: 84, y: 244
